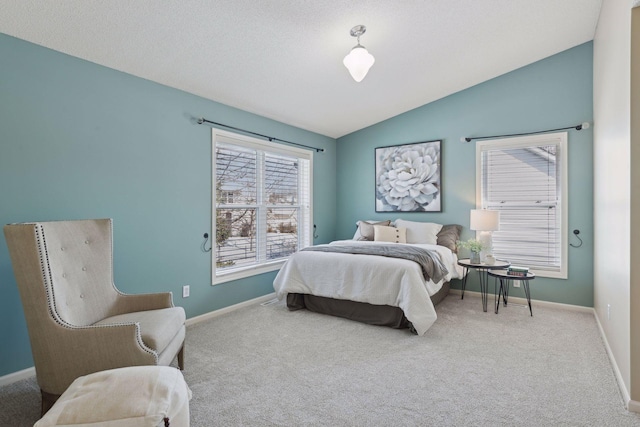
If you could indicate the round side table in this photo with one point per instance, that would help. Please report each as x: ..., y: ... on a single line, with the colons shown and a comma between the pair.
x: 482, y: 270
x: 505, y: 281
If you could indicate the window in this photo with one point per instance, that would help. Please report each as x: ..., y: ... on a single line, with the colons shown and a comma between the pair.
x: 525, y: 178
x: 262, y: 208
x: 227, y: 197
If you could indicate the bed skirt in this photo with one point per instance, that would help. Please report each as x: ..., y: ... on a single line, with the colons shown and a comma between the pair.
x: 381, y: 315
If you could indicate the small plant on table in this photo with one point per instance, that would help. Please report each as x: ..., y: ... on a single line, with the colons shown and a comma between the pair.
x: 474, y: 246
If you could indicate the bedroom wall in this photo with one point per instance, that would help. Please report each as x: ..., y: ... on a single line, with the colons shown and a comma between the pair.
x: 78, y: 140
x: 634, y: 307
x: 614, y: 195
x: 553, y: 93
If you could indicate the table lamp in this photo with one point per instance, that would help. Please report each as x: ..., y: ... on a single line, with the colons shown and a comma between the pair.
x: 485, y: 221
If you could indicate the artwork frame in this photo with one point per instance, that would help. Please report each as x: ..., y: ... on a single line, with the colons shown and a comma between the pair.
x: 408, y: 177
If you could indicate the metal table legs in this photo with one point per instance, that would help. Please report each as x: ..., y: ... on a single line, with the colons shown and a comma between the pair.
x: 484, y: 284
x: 464, y: 281
x: 525, y: 285
x: 504, y: 292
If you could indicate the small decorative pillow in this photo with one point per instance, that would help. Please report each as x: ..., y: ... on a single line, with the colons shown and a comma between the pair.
x: 390, y: 234
x: 420, y: 232
x: 365, y: 229
x: 449, y: 235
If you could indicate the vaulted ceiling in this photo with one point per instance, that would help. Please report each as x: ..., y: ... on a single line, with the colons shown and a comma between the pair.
x: 282, y: 59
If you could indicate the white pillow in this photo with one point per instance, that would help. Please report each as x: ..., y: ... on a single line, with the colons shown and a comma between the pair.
x: 390, y: 234
x: 420, y: 232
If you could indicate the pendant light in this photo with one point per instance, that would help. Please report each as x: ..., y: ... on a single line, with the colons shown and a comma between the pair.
x: 359, y: 60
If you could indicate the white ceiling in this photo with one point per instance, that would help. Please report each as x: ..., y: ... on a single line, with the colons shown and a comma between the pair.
x: 282, y: 59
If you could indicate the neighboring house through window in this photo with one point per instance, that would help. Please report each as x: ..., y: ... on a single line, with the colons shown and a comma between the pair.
x: 525, y: 178
x: 262, y: 204
x: 227, y: 195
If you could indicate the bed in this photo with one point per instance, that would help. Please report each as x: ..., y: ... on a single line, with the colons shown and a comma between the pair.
x: 371, y: 288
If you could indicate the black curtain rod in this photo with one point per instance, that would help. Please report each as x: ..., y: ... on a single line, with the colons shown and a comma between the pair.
x: 202, y: 120
x: 583, y: 125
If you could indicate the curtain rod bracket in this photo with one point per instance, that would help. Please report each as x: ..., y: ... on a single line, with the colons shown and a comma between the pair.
x: 202, y: 120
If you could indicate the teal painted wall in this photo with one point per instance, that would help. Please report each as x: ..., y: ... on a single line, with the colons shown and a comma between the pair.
x: 553, y: 93
x: 78, y: 140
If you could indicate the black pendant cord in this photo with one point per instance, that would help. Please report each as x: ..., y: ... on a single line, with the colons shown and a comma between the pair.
x: 584, y: 125
x: 202, y: 120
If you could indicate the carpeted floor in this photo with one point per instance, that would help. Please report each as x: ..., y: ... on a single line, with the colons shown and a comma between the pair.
x: 266, y: 366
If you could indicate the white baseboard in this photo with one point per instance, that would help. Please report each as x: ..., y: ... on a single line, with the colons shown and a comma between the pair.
x: 17, y: 376
x: 534, y: 302
x: 631, y: 405
x: 225, y: 310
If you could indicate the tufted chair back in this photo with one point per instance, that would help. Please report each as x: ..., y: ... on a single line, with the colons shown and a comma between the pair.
x: 79, y: 269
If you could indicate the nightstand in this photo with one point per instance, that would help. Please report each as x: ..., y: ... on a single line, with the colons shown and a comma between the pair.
x: 482, y: 270
x: 505, y: 281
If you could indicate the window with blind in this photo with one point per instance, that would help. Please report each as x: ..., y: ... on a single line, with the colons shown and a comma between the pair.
x: 525, y: 178
x: 262, y: 209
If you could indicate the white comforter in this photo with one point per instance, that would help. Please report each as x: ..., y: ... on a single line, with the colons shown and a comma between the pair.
x: 366, y: 278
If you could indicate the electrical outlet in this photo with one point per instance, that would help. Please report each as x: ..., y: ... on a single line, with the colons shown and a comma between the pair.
x: 185, y: 291
x: 516, y: 283
x: 608, y: 311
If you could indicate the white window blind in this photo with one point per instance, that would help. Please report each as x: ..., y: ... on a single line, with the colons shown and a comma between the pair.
x: 262, y: 194
x: 525, y: 179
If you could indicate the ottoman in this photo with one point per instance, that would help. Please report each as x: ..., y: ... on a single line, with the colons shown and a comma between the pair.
x: 125, y: 397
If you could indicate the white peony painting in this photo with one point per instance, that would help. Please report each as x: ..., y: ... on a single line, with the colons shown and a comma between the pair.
x: 408, y: 178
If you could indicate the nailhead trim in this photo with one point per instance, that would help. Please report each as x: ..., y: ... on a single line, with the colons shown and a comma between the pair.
x: 45, y: 266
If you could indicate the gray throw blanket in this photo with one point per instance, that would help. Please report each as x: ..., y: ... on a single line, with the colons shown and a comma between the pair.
x: 428, y: 260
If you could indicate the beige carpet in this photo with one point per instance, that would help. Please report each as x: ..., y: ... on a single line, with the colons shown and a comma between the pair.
x: 266, y: 366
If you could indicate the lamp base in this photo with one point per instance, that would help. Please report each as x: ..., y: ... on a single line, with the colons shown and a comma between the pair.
x: 487, y: 243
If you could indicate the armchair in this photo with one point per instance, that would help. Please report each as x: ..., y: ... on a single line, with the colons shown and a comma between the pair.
x: 78, y: 321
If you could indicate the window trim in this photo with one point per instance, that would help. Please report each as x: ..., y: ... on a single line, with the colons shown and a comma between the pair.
x: 222, y: 136
x: 561, y: 140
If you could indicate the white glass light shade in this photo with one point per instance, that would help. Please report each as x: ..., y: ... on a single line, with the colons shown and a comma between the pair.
x: 484, y: 220
x: 358, y: 62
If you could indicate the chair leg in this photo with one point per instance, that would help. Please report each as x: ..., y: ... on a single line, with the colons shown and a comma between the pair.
x: 48, y: 400
x: 181, y: 358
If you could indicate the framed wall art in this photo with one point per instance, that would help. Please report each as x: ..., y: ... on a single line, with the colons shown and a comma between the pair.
x: 408, y: 178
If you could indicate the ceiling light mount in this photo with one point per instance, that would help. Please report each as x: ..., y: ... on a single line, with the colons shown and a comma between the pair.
x: 357, y: 31
x: 359, y: 60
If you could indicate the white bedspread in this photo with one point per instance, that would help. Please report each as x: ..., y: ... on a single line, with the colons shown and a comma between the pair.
x: 366, y: 278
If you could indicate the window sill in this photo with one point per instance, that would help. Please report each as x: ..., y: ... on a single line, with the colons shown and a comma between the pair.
x: 550, y: 274
x: 247, y: 272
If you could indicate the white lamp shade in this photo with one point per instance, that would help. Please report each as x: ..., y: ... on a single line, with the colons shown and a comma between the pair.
x: 358, y: 62
x: 484, y: 220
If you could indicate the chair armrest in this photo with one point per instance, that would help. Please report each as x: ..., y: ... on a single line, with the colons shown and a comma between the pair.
x: 83, y: 350
x: 128, y: 303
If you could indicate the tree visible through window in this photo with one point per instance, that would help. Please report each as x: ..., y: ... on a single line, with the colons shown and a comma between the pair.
x: 262, y: 202
x: 525, y: 179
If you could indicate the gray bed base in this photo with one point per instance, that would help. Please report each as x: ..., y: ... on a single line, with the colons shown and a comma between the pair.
x: 381, y: 315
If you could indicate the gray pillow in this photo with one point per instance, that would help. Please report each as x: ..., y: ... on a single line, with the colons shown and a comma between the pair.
x: 449, y: 235
x: 366, y: 228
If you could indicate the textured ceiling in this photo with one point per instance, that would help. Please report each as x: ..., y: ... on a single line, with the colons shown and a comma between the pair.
x: 282, y: 59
